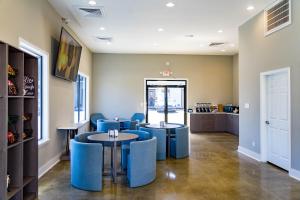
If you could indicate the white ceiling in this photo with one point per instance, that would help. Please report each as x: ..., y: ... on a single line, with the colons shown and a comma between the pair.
x: 133, y: 25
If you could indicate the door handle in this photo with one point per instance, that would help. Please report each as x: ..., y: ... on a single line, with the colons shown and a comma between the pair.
x: 267, y: 122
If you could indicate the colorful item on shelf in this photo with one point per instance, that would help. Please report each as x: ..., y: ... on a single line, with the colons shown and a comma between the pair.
x: 11, y: 71
x: 12, y: 89
x: 10, y: 137
x: 7, y: 182
x: 28, y: 86
x: 27, y: 125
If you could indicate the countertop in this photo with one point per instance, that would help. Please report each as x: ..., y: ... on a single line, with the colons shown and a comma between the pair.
x: 215, y: 113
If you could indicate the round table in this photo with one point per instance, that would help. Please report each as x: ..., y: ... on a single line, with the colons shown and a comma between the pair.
x: 168, y: 128
x: 104, y: 138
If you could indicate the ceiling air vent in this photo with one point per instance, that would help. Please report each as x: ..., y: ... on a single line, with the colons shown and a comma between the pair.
x: 106, y: 39
x: 277, y: 16
x: 90, y: 11
x: 216, y: 44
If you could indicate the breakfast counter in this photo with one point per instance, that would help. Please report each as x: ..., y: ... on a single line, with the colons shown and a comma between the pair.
x: 214, y: 122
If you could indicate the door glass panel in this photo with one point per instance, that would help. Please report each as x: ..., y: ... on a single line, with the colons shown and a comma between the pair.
x: 176, y: 105
x: 156, y: 105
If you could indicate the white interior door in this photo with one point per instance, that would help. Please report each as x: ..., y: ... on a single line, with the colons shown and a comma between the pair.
x: 278, y: 119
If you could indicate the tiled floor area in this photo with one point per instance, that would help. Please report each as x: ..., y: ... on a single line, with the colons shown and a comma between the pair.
x: 214, y: 171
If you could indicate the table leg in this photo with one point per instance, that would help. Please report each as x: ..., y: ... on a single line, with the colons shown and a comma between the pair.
x: 169, y: 142
x: 115, y: 162
x: 68, y: 143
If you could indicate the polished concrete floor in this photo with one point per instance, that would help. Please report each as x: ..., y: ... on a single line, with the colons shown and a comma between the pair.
x: 214, y: 170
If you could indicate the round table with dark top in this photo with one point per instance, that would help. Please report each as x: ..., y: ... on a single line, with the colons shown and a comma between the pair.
x: 168, y: 128
x: 114, y: 141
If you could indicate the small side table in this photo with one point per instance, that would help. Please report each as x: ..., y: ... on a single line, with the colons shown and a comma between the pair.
x: 71, y: 130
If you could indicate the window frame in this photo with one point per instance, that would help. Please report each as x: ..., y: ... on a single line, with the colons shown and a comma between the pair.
x: 37, y: 52
x: 76, y: 86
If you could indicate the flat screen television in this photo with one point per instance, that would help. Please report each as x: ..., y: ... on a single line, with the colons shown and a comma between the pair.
x: 68, y: 58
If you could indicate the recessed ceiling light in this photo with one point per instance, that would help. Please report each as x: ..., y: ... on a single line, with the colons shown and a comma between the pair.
x: 92, y: 3
x: 220, y: 31
x: 160, y: 29
x: 102, y: 28
x: 170, y: 4
x: 249, y: 8
x: 108, y: 43
x: 223, y: 50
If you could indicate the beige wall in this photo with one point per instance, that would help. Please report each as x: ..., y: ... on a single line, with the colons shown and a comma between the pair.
x: 37, y: 22
x: 259, y: 54
x: 118, y: 80
x: 235, y: 70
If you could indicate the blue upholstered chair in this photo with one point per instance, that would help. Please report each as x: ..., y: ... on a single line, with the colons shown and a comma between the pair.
x: 160, y: 135
x: 180, y: 144
x: 134, y: 120
x: 125, y: 145
x: 94, y: 118
x: 83, y: 137
x: 142, y: 162
x: 140, y: 117
x: 173, y: 130
x: 139, y: 125
x: 104, y: 126
x: 86, y: 165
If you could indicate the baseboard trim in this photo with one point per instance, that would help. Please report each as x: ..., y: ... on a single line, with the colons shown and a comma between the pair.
x: 249, y: 153
x: 294, y: 174
x: 49, y: 165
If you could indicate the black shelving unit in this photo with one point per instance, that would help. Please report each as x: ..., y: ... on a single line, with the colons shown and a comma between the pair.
x: 20, y: 159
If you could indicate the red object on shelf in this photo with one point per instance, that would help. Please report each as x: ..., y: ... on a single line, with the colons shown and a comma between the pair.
x: 10, y: 137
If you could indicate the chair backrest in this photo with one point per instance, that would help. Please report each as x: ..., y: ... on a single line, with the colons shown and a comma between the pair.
x: 83, y: 137
x: 107, y: 125
x: 160, y: 135
x: 143, y: 135
x: 148, y: 130
x: 142, y: 162
x: 138, y: 117
x: 95, y: 117
x: 182, y: 142
x: 86, y: 165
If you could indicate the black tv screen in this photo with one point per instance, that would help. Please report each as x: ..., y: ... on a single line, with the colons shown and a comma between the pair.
x: 68, y: 58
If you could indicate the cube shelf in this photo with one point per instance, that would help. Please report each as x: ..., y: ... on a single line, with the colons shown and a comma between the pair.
x: 18, y: 114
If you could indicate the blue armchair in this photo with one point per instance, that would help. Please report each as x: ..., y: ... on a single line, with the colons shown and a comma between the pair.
x: 180, y: 144
x: 138, y: 117
x: 86, y: 165
x: 94, y: 118
x: 125, y: 145
x: 161, y: 136
x: 142, y: 162
x: 107, y: 125
x: 134, y: 120
x: 139, y: 125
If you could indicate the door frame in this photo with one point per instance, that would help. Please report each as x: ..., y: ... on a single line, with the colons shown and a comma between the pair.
x: 263, y: 113
x: 166, y: 79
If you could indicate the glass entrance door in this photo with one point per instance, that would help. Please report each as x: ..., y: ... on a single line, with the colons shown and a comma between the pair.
x: 156, y: 105
x: 176, y: 105
x: 166, y: 101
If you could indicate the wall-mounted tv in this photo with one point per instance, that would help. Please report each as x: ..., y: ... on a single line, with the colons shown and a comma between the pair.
x: 68, y: 58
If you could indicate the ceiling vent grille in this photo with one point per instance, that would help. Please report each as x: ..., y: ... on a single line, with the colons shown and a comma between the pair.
x: 105, y: 39
x: 95, y: 12
x: 277, y: 16
x: 216, y: 44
